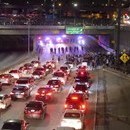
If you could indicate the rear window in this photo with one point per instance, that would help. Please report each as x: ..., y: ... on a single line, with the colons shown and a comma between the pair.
x: 4, y: 76
x: 81, y: 87
x: 13, y: 71
x: 59, y: 74
x: 12, y: 126
x: 34, y: 104
x: 53, y: 82
x: 72, y: 115
x: 22, y: 81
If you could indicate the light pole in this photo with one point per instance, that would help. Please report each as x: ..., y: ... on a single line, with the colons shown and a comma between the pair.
x: 60, y: 9
x: 118, y: 29
x: 75, y: 6
x: 28, y: 37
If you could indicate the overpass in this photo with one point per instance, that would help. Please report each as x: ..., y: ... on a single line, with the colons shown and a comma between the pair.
x: 40, y: 30
x: 34, y: 30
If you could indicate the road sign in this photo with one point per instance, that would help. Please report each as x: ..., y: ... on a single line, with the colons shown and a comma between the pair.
x: 124, y: 57
x: 74, y: 30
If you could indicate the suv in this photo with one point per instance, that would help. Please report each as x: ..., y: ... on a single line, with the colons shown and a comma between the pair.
x: 5, y: 101
x: 15, y: 124
x: 76, y: 101
x: 55, y: 84
x: 25, y: 81
x: 20, y: 92
x: 35, y: 109
x: 44, y: 94
x: 73, y: 118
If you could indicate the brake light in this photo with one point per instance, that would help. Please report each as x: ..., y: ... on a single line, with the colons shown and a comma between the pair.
x: 39, y: 111
x: 65, y: 105
x: 74, y: 98
x: 83, y: 106
x: 49, y: 94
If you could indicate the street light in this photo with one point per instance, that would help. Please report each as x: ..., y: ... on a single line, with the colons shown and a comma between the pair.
x: 118, y: 29
x: 28, y: 37
x: 75, y: 6
x: 60, y: 8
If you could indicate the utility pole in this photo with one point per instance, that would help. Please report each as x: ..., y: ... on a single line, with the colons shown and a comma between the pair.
x: 118, y: 29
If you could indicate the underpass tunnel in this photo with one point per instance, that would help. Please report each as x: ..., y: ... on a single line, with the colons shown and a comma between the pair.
x: 49, y: 46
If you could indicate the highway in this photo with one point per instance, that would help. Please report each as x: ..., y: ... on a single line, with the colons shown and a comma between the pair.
x: 108, y: 101
x: 55, y: 108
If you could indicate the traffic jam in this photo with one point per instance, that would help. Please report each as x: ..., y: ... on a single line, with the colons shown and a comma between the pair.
x: 23, y: 81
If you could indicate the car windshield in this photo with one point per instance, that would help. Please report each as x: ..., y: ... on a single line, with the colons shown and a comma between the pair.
x: 22, y: 81
x: 72, y: 115
x: 34, y: 104
x: 53, y: 82
x: 12, y: 126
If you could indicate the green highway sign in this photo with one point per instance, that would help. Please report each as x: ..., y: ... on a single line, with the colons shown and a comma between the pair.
x: 74, y: 30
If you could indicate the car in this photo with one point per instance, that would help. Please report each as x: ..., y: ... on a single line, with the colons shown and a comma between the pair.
x: 7, y: 79
x: 20, y: 92
x: 41, y: 69
x: 0, y: 86
x: 35, y: 109
x: 70, y: 64
x: 15, y: 73
x: 25, y: 81
x: 36, y: 63
x: 65, y: 69
x: 83, y: 80
x: 55, y: 84
x: 82, y: 88
x: 76, y: 101
x: 61, y: 76
x: 38, y: 74
x: 52, y: 63
x: 29, y: 68
x: 73, y: 118
x: 82, y: 73
x: 15, y: 124
x: 5, y: 101
x: 45, y: 93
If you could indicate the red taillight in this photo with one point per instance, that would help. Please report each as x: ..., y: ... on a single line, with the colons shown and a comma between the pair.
x: 37, y: 94
x: 11, y: 93
x: 65, y: 105
x: 74, y: 98
x: 49, y: 94
x: 83, y: 106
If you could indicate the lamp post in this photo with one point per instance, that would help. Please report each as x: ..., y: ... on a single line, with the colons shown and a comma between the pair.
x: 75, y: 6
x: 28, y: 38
x: 60, y: 9
x: 118, y: 29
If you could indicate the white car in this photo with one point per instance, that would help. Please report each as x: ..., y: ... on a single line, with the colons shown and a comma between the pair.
x: 73, y: 118
x: 5, y: 101
x: 16, y: 74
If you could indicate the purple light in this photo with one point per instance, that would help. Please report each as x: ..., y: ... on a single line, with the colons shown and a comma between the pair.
x: 47, y: 38
x: 64, y: 36
x: 41, y: 43
x: 58, y: 39
x: 39, y: 38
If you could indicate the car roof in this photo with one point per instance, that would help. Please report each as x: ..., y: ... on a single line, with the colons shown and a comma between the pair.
x: 14, y: 120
